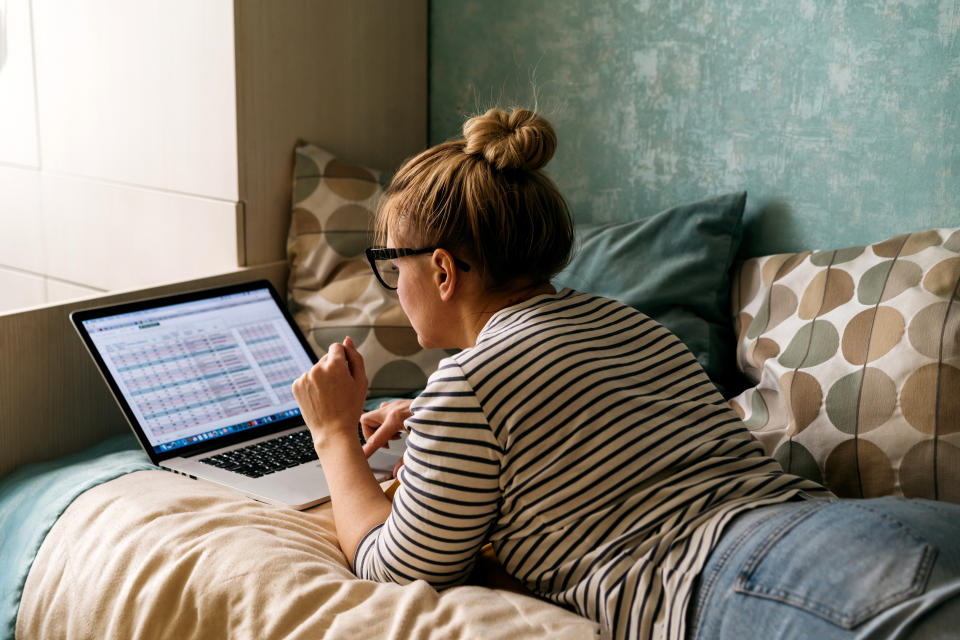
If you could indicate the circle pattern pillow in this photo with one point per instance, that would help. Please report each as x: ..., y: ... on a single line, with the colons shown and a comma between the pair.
x: 855, y: 358
x: 331, y: 292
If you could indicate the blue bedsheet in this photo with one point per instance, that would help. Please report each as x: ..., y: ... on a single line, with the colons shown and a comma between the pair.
x: 34, y: 496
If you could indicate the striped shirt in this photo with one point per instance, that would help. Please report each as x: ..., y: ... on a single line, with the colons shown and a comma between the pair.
x: 585, y: 442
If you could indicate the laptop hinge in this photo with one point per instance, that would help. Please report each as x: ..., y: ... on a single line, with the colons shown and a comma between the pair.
x: 206, y: 448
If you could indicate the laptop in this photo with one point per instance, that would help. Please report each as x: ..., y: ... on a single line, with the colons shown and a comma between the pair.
x: 204, y: 379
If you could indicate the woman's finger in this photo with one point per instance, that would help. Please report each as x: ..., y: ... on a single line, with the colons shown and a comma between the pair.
x: 354, y: 360
x: 391, y: 413
x: 369, y: 424
x: 371, y: 421
x: 336, y: 352
x: 379, y: 438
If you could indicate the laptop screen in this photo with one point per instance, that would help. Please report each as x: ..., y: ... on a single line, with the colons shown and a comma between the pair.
x: 194, y: 371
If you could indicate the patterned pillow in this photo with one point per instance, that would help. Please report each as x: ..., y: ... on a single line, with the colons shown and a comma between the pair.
x: 331, y: 291
x: 855, y: 354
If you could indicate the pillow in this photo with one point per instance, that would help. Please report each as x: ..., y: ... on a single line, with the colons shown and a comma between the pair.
x: 855, y: 358
x: 675, y: 267
x: 331, y: 292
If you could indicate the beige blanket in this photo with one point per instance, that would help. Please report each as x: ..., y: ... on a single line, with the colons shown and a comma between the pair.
x: 156, y: 555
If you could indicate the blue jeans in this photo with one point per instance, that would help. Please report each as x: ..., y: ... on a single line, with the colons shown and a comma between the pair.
x: 831, y: 569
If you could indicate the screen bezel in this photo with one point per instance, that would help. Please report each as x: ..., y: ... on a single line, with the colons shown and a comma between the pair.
x: 77, y: 318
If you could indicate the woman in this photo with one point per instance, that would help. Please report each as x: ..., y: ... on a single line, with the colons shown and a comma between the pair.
x: 580, y: 437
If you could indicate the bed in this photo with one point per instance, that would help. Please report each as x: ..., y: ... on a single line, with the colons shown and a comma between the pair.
x: 840, y: 361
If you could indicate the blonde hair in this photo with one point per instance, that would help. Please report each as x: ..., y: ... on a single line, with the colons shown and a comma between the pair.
x: 485, y: 199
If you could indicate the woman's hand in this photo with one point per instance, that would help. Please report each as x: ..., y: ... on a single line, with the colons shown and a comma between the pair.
x: 382, y: 425
x: 331, y: 394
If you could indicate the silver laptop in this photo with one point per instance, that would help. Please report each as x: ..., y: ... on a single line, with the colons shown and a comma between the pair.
x: 204, y: 379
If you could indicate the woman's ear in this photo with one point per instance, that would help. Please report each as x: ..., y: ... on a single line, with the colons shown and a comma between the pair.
x: 444, y: 273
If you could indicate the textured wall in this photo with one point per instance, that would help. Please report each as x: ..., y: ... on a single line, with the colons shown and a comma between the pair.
x: 841, y: 118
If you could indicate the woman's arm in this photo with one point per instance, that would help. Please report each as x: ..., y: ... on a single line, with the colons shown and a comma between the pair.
x: 331, y: 397
x: 449, y: 492
x: 358, y: 502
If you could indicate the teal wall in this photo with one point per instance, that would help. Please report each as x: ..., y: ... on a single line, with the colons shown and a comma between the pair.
x: 841, y: 118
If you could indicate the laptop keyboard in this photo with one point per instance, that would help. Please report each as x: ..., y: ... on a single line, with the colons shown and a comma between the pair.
x: 269, y: 456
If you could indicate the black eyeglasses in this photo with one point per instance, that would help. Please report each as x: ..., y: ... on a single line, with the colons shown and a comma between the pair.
x: 381, y: 261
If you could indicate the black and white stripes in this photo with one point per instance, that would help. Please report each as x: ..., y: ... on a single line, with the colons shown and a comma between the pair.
x: 585, y: 442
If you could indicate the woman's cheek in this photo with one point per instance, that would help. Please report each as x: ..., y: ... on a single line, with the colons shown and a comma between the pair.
x: 412, y: 311
x: 402, y: 296
x: 404, y: 299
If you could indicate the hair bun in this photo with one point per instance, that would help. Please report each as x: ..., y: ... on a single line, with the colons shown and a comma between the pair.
x: 521, y: 139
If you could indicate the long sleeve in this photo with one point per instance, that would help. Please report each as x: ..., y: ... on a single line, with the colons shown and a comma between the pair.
x: 586, y: 443
x: 449, y: 490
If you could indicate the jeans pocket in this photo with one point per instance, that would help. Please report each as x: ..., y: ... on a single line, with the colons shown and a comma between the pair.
x: 843, y: 561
